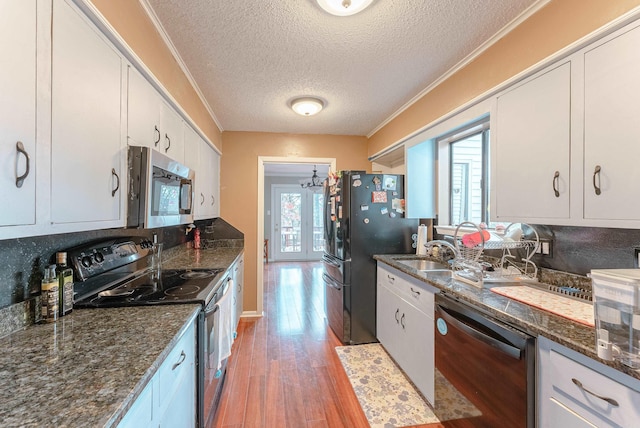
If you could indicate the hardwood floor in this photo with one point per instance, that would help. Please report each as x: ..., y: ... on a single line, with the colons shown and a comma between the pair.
x: 284, y: 371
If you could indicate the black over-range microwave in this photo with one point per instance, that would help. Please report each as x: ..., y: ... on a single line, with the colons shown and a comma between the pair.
x: 161, y: 190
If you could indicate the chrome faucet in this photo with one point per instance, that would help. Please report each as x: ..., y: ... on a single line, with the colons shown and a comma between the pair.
x: 440, y: 249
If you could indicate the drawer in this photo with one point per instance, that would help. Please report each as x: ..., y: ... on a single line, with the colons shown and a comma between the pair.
x: 413, y: 291
x: 179, y: 363
x: 583, y: 390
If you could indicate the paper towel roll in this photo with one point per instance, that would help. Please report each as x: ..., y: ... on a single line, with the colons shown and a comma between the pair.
x: 421, y: 250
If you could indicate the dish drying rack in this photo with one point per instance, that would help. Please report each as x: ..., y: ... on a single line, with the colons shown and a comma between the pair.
x: 468, y: 266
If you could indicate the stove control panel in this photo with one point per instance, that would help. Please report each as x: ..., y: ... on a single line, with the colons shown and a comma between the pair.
x: 100, y: 257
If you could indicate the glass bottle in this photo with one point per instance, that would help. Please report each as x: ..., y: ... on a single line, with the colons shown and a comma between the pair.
x: 49, y: 296
x: 65, y: 284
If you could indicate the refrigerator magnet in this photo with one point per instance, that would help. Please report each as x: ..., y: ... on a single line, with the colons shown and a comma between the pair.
x: 340, y: 211
x: 397, y: 204
x: 357, y: 183
x: 392, y: 214
x: 366, y: 221
x: 378, y: 183
x: 389, y: 182
x: 355, y: 177
x: 379, y: 197
x: 384, y: 210
x: 364, y: 207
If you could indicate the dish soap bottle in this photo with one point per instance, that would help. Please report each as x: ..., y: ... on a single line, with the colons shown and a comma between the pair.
x: 49, y: 297
x: 65, y: 284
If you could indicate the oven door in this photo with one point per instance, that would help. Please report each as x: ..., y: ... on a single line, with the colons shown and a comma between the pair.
x: 212, y: 376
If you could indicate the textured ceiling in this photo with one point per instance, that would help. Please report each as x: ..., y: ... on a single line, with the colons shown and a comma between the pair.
x: 249, y: 58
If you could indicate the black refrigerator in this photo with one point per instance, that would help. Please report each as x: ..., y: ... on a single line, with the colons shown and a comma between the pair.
x: 363, y: 216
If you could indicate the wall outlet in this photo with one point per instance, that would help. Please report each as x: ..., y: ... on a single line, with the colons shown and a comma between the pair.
x: 546, y: 248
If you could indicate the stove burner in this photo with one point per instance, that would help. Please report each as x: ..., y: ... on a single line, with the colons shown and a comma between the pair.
x: 182, y: 290
x: 192, y: 274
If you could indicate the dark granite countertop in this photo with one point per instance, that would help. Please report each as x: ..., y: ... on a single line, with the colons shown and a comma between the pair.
x: 87, y: 368
x: 536, y: 322
x: 90, y: 366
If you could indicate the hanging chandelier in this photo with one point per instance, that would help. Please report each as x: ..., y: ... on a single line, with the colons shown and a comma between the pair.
x: 314, y: 181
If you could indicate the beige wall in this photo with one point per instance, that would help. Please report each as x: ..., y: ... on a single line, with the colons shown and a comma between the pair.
x: 131, y: 22
x: 555, y: 26
x: 239, y: 180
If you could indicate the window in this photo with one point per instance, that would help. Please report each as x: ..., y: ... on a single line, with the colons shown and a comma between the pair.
x: 468, y: 150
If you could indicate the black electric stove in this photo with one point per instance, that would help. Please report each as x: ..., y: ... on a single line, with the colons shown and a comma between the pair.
x: 114, y: 273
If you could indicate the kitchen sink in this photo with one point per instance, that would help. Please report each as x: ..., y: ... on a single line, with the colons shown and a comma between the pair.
x: 424, y: 265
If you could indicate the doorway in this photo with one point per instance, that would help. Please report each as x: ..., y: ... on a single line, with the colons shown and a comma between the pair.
x: 296, y: 223
x: 264, y: 213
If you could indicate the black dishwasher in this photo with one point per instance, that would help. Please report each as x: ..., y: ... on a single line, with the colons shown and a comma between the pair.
x: 485, y: 369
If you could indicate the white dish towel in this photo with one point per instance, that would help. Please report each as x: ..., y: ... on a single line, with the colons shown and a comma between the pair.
x: 224, y: 321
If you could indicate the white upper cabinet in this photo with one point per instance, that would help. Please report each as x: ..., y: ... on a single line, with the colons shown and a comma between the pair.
x: 17, y: 112
x: 151, y: 121
x: 612, y: 128
x: 200, y: 156
x: 86, y: 131
x: 531, y: 149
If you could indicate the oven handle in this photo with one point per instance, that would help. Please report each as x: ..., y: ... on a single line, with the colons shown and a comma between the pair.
x: 331, y: 282
x: 212, y: 307
x: 505, y: 348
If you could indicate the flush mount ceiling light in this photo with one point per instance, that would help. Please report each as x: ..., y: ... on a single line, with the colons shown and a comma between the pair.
x: 307, y: 106
x: 344, y: 7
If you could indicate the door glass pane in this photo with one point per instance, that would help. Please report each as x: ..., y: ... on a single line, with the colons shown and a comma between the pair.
x: 290, y: 215
x: 318, y: 237
x: 466, y: 180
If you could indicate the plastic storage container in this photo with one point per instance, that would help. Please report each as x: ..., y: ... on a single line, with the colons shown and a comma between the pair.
x: 616, y: 302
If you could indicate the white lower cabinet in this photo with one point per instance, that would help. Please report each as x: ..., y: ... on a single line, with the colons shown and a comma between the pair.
x: 405, y: 325
x: 575, y: 391
x: 238, y: 285
x: 169, y: 399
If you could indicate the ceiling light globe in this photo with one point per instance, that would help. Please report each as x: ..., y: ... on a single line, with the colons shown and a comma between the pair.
x: 344, y: 7
x: 307, y: 106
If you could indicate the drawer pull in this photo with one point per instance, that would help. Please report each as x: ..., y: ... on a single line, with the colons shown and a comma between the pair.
x: 416, y: 293
x: 180, y: 361
x: 402, y: 321
x: 611, y: 401
x: 391, y: 278
x: 397, y: 312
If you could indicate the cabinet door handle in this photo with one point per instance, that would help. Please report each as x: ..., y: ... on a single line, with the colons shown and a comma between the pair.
x: 201, y: 199
x: 596, y: 172
x: 213, y: 200
x: 416, y: 293
x: 113, y: 172
x: 402, y: 321
x: 157, y: 131
x: 183, y: 356
x: 611, y: 401
x: 20, y: 149
x: 166, y: 137
x: 390, y: 278
x: 556, y: 179
x: 397, y: 312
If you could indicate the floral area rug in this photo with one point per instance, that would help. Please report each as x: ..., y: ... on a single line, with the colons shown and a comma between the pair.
x: 389, y: 399
x: 386, y: 396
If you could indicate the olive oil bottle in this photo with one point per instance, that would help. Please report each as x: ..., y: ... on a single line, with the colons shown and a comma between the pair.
x: 49, y: 296
x: 65, y: 284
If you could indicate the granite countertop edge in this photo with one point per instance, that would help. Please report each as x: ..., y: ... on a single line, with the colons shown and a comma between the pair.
x: 537, y: 322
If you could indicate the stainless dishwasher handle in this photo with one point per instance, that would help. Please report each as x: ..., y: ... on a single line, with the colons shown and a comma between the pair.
x: 505, y: 348
x: 611, y: 401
